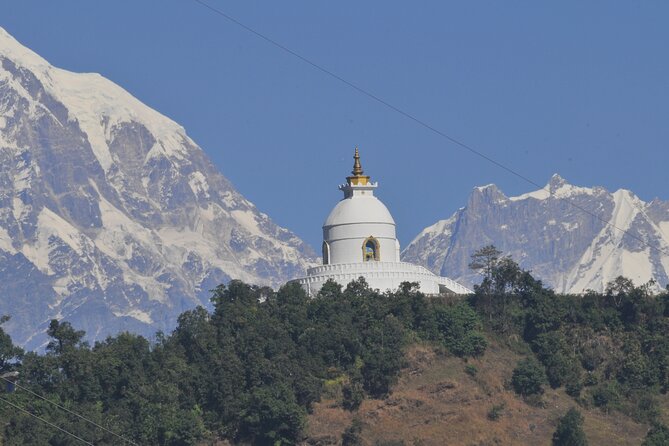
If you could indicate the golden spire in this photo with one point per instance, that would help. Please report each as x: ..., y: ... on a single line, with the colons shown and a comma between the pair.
x: 358, y: 178
x: 357, y: 167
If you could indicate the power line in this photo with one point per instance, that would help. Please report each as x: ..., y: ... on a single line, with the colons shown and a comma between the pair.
x: 70, y: 412
x: 45, y: 421
x: 418, y: 121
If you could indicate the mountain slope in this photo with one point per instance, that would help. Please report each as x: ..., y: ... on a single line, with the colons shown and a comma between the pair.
x: 567, y: 248
x: 436, y: 402
x: 110, y: 215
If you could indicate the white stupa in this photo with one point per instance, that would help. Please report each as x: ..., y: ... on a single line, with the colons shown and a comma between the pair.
x: 359, y: 240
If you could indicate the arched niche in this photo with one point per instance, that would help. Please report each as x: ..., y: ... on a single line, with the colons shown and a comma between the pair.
x: 371, y: 250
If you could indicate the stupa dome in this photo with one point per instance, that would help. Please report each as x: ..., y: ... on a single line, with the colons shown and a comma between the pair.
x: 359, y: 240
x: 359, y: 209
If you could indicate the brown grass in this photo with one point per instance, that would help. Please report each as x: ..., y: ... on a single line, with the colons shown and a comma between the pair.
x: 436, y: 403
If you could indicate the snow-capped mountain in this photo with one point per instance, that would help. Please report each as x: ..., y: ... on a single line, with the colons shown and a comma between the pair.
x: 111, y: 217
x: 569, y: 249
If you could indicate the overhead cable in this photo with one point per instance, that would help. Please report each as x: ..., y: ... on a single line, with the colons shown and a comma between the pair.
x: 45, y: 421
x: 71, y: 412
x: 420, y: 122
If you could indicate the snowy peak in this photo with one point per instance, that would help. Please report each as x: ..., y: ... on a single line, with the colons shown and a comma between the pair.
x: 12, y: 49
x: 121, y: 216
x: 555, y: 183
x: 573, y: 238
x: 557, y: 188
x: 98, y: 105
x: 485, y: 194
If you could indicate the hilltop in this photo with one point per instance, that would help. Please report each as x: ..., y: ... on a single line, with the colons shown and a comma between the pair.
x: 276, y: 367
x: 437, y: 402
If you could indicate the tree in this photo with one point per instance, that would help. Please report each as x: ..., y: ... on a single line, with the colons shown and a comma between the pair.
x: 658, y: 435
x: 250, y: 370
x: 504, y: 288
x: 505, y: 276
x: 272, y: 416
x: 351, y: 436
x: 619, y: 286
x: 569, y: 431
x: 528, y: 377
x: 9, y: 354
x: 606, y: 394
x: 353, y: 393
x: 561, y: 366
x: 460, y: 329
x: 63, y: 337
x: 382, y: 356
x: 484, y: 260
x: 544, y: 315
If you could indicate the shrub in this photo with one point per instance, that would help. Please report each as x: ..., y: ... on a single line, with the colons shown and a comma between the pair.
x: 353, y: 395
x: 471, y: 370
x: 647, y: 408
x: 573, y: 388
x: 569, y: 431
x: 605, y: 395
x: 495, y: 412
x: 590, y: 380
x: 528, y: 377
x: 351, y: 436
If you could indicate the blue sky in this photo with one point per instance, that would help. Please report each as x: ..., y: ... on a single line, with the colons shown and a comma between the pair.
x: 577, y: 88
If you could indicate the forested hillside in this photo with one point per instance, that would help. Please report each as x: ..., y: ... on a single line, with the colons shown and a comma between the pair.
x: 254, y: 370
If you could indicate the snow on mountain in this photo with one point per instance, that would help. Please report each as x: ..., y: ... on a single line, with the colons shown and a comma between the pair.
x: 546, y: 231
x: 111, y: 217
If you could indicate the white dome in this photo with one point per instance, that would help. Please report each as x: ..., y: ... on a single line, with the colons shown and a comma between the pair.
x: 359, y: 240
x: 359, y: 228
x: 356, y: 210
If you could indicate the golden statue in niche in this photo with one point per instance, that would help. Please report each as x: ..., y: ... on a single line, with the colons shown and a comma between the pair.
x: 370, y: 250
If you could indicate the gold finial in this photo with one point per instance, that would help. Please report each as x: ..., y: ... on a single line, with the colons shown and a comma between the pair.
x: 357, y: 167
x: 358, y: 177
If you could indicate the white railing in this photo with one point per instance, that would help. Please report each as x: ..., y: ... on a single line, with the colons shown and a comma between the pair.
x: 345, y: 272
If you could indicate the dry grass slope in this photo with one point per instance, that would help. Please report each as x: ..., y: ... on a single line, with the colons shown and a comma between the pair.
x: 436, y: 402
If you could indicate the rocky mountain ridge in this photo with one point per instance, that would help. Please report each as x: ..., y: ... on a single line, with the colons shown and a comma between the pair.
x: 546, y: 231
x: 111, y: 217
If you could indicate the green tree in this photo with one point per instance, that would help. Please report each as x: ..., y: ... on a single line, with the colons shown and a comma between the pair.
x: 382, y: 356
x: 63, y: 337
x: 351, y: 436
x: 569, y: 430
x: 619, y: 287
x: 606, y: 394
x: 505, y: 277
x: 635, y: 370
x: 553, y: 351
x: 353, y: 393
x: 460, y: 329
x: 484, y: 260
x: 544, y: 314
x: 272, y: 417
x: 9, y: 353
x: 658, y: 435
x: 665, y: 301
x: 528, y: 377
